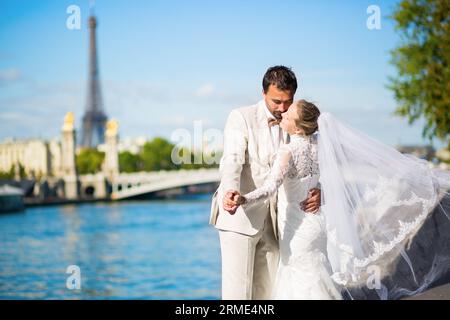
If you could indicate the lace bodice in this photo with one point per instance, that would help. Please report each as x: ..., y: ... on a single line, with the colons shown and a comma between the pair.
x: 303, y: 271
x: 295, y: 160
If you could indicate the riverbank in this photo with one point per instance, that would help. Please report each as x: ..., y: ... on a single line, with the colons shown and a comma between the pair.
x: 33, y: 202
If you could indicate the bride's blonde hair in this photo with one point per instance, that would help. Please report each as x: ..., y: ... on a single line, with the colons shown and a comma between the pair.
x: 308, y: 114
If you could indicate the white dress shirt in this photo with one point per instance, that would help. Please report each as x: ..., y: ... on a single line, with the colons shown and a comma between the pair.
x: 275, y: 131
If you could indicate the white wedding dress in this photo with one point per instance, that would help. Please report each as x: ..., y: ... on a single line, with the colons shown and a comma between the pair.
x: 375, y: 202
x: 304, y: 271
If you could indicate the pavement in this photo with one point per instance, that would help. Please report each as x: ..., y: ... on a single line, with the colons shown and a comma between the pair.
x: 437, y: 293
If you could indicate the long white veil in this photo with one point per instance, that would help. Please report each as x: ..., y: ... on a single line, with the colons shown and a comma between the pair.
x: 377, y: 203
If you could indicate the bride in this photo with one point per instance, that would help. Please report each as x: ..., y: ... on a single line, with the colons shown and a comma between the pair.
x: 374, y: 200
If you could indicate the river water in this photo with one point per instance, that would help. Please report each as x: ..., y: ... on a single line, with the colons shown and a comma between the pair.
x: 124, y: 250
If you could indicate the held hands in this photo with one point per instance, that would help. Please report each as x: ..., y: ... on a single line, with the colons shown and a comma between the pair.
x: 312, y: 203
x: 232, y: 200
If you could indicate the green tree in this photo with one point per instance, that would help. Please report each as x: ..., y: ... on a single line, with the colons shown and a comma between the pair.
x: 192, y: 158
x: 156, y: 155
x: 422, y: 86
x: 7, y: 175
x: 22, y: 173
x: 129, y: 162
x: 11, y: 174
x: 89, y: 161
x: 198, y: 160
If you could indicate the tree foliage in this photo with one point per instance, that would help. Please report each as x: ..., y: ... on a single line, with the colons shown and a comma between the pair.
x: 422, y: 86
x: 156, y: 155
x: 11, y: 174
x: 89, y: 161
x: 129, y: 162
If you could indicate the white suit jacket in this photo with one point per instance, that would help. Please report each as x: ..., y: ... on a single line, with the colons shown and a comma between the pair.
x: 248, y: 154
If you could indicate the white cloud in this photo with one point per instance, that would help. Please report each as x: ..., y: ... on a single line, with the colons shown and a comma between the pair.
x: 9, y: 76
x: 205, y: 91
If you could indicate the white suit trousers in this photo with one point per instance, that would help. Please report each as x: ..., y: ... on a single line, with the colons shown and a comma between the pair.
x: 249, y: 264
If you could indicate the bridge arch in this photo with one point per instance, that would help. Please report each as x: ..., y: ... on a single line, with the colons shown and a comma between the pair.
x: 135, y: 184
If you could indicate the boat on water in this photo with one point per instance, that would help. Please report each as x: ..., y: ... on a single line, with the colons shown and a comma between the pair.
x: 11, y: 199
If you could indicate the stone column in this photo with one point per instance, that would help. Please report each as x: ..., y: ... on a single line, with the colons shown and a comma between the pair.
x: 111, y: 164
x: 69, y: 172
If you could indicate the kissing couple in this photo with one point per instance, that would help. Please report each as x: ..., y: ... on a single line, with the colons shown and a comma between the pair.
x: 308, y: 207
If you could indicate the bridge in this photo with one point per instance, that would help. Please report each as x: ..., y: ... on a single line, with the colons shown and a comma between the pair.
x: 128, y: 185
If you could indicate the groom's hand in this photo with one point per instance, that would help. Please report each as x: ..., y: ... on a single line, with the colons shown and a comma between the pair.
x: 229, y: 204
x: 312, y: 203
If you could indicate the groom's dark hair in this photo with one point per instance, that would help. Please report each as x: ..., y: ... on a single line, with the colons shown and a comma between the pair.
x: 280, y: 76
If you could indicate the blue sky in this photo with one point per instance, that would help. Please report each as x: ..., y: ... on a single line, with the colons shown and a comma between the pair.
x: 165, y: 64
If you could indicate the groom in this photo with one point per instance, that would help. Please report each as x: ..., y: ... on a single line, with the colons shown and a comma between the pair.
x: 248, y: 239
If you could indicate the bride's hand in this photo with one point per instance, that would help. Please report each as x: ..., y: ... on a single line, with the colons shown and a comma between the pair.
x: 239, y: 200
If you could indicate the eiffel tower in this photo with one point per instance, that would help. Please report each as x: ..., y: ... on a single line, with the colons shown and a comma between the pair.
x: 94, y: 119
